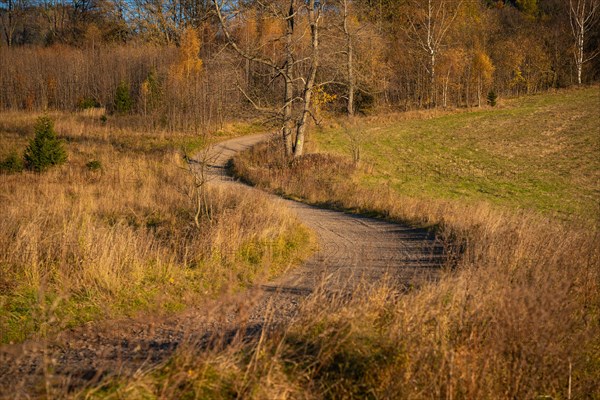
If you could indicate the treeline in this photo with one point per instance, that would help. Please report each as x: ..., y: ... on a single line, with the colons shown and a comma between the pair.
x: 185, y: 65
x: 125, y: 79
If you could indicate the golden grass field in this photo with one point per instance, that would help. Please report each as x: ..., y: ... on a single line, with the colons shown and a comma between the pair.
x: 80, y: 244
x: 514, y: 315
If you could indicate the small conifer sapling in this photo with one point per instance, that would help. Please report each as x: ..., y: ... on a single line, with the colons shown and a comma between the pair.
x: 45, y: 149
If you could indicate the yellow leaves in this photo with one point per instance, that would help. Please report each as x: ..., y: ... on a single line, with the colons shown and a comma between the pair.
x: 189, y: 64
x: 145, y: 89
x: 321, y: 97
x: 517, y: 79
x: 353, y: 23
x: 248, y: 31
x: 256, y: 31
x: 483, y: 66
x: 271, y: 29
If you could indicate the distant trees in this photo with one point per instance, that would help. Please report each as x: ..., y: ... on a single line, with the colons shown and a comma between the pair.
x: 11, y: 17
x: 429, y: 22
x: 274, y: 55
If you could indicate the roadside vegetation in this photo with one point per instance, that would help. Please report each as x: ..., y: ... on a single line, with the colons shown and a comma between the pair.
x: 515, y: 316
x: 537, y: 153
x: 111, y: 233
x: 113, y: 222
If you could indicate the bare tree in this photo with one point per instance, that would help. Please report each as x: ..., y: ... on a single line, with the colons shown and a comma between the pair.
x: 428, y: 26
x: 349, y: 57
x: 583, y: 14
x: 201, y: 170
x: 10, y: 13
x: 298, y: 71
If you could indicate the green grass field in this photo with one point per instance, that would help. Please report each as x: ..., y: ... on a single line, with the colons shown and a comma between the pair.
x: 540, y: 152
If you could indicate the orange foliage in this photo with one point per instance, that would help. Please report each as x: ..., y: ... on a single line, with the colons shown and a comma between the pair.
x: 189, y: 63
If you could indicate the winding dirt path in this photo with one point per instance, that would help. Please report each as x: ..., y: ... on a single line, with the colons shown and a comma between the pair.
x: 352, y: 250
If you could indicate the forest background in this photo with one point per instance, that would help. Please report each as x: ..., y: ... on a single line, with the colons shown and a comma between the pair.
x: 169, y: 61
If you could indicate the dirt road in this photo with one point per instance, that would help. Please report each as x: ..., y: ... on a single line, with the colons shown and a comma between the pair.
x: 352, y: 249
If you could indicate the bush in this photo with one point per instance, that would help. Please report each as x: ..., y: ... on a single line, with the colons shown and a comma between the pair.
x: 87, y: 102
x: 45, y: 149
x: 12, y: 164
x: 123, y: 102
x: 492, y: 98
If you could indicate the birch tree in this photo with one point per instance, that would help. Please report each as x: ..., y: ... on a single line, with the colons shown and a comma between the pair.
x: 428, y: 26
x: 351, y: 85
x: 583, y: 14
x: 302, y: 18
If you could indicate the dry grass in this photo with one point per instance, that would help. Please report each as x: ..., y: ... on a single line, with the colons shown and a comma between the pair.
x: 79, y: 244
x: 514, y: 316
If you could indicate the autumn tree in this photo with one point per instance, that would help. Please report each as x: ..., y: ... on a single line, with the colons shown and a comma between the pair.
x: 186, y: 80
x: 349, y: 52
x: 483, y: 71
x: 428, y: 24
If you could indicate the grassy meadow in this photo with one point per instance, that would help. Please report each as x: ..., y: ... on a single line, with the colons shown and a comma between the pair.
x: 515, y: 312
x: 111, y: 233
x: 539, y: 153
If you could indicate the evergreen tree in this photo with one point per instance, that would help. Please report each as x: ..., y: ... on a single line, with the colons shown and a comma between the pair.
x: 492, y: 98
x: 45, y: 149
x: 123, y: 102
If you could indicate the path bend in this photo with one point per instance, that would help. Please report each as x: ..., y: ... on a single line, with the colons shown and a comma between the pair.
x: 352, y: 250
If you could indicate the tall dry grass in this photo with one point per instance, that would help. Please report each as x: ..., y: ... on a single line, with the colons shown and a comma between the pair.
x: 78, y: 244
x: 515, y: 315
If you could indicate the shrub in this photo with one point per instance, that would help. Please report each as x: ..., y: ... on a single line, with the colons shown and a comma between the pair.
x: 123, y: 102
x: 45, y: 149
x: 11, y: 164
x: 87, y: 102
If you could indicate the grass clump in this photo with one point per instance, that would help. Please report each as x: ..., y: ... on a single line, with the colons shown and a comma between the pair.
x: 94, y: 165
x: 13, y: 163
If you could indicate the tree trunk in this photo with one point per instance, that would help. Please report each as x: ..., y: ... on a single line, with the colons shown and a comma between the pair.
x: 313, y: 18
x: 289, y: 89
x: 350, y: 62
x: 479, y: 89
x: 579, y: 61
